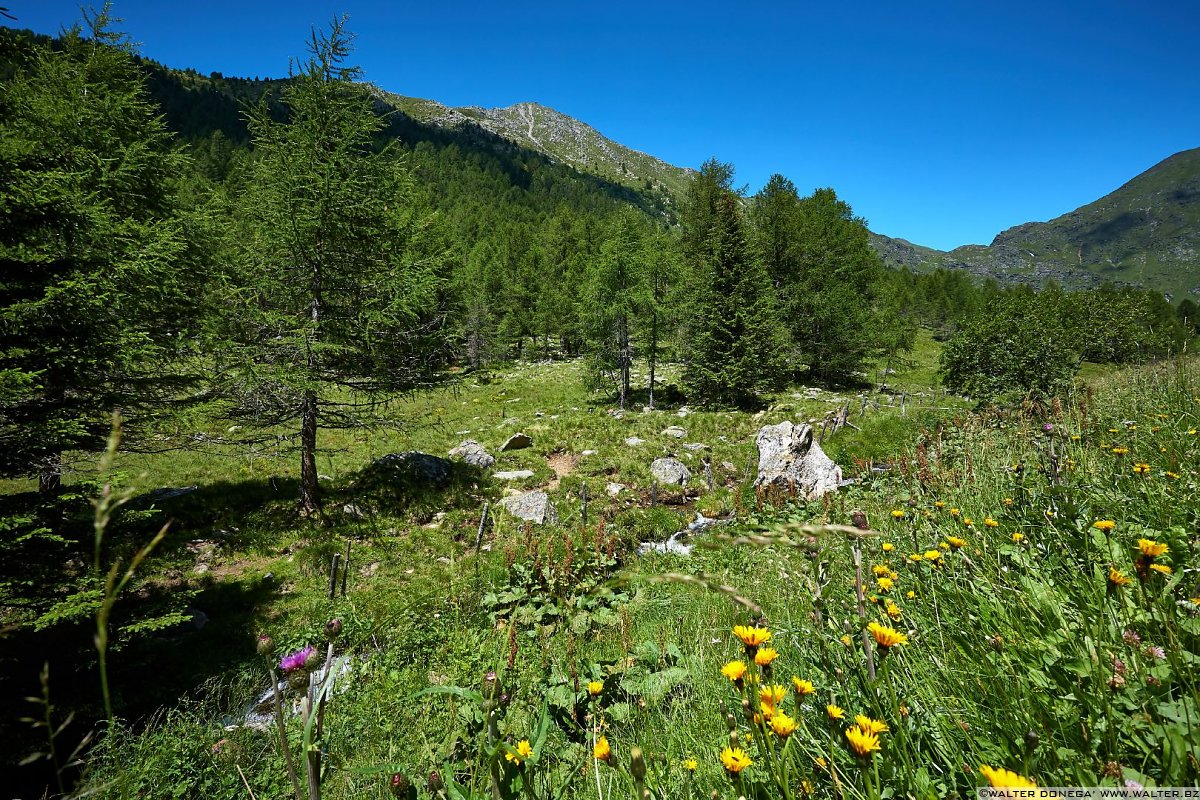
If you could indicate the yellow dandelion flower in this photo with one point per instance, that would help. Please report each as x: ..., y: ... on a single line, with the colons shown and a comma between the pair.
x: 802, y: 687
x: 1141, y: 469
x: 783, y: 725
x: 939, y: 503
x: 735, y: 759
x: 846, y: 640
x: 1118, y: 578
x: 888, y: 547
x: 954, y: 512
x: 772, y: 695
x: 910, y: 594
x: 881, y: 569
x: 751, y: 636
x: 1075, y: 437
x: 835, y: 712
x: 934, y: 556
x: 821, y: 763
x: 602, y: 751
x: 1173, y: 475
x: 1120, y: 451
x: 1161, y: 569
x: 956, y: 542
x: 1018, y: 538
x: 916, y: 557
x: 885, y: 584
x: 862, y: 742
x: 1191, y: 431
x: 968, y: 522
x: 690, y: 764
x: 886, y: 637
x: 524, y: 750
x: 734, y: 670
x: 1104, y: 525
x: 893, y: 611
x: 991, y: 523
x: 595, y: 687
x: 1008, y: 501
x: 1005, y: 779
x: 943, y: 545
x: 898, y: 513
x: 807, y: 787
x: 1151, y: 548
x: 765, y: 656
x: 868, y: 725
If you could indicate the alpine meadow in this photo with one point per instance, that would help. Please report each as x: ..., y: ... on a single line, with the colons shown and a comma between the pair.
x: 355, y: 445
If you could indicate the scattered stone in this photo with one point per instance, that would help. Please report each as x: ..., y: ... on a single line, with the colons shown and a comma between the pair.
x: 695, y: 446
x: 634, y: 441
x: 675, y: 432
x: 670, y: 471
x: 728, y: 466
x: 413, y: 465
x: 509, y: 421
x: 514, y: 475
x: 352, y: 510
x: 614, y: 489
x: 369, y: 570
x: 616, y: 413
x: 518, y: 441
x: 539, y: 414
x: 168, y: 492
x: 788, y: 457
x: 588, y: 453
x: 473, y: 453
x: 443, y: 560
x: 683, y: 412
x: 532, y: 506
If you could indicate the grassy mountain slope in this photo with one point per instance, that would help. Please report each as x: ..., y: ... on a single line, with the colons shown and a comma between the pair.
x: 1146, y: 233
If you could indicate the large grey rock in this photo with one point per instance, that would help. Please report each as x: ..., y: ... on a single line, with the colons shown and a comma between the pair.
x: 415, y: 466
x: 675, y: 432
x: 533, y: 506
x: 670, y: 471
x: 474, y: 454
x: 788, y: 457
x: 518, y: 441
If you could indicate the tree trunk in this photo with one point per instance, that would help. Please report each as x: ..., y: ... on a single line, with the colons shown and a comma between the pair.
x: 309, y: 502
x: 653, y: 354
x: 623, y: 350
x: 50, y: 474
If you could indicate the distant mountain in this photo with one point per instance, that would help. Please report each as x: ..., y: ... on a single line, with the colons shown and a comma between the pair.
x: 1146, y: 234
x: 558, y: 136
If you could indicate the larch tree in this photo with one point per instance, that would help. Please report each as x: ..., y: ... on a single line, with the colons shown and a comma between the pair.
x: 96, y: 294
x: 615, y: 295
x: 335, y: 301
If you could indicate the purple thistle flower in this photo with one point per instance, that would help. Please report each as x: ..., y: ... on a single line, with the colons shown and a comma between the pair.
x: 1131, y: 637
x: 1156, y: 651
x: 295, y: 661
x: 1048, y: 428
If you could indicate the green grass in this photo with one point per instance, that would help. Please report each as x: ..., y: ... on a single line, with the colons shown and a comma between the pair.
x: 1007, y: 637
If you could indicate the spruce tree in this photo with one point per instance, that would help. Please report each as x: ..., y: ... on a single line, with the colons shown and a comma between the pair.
x: 94, y: 295
x: 737, y: 347
x: 336, y: 300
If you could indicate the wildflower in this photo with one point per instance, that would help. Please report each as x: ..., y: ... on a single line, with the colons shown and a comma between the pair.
x: 835, y: 712
x: 893, y: 611
x: 885, y: 584
x: 1075, y: 437
x: 772, y: 695
x: 807, y: 787
x: 734, y: 670
x: 933, y: 556
x: 765, y: 656
x: 399, y: 784
x: 956, y: 542
x: 846, y: 640
x: 886, y: 637
x: 943, y: 545
x: 1118, y: 666
x: 1141, y: 469
x: 1161, y: 569
x: 939, y: 503
x: 881, y: 570
x: 863, y: 743
x: 888, y: 547
x: 1005, y: 779
x: 783, y: 725
x: 1173, y: 475
x: 1047, y: 428
x: 1120, y: 451
x: 690, y: 764
x: 916, y: 557
x: 751, y: 636
x: 821, y: 763
x: 297, y: 661
x: 911, y: 594
x: 968, y: 522
x: 1131, y: 638
x: 954, y: 512
x: 1151, y: 548
x: 1018, y: 538
x: 1116, y: 682
x: 1051, y: 513
x: 1116, y: 578
x: 1105, y: 525
x: 524, y: 751
x: 735, y: 759
x: 802, y: 687
x: 1191, y: 431
x: 898, y: 513
x: 602, y: 751
x: 1155, y: 651
x: 991, y: 523
x: 1008, y: 501
x: 596, y: 687
x: 868, y: 725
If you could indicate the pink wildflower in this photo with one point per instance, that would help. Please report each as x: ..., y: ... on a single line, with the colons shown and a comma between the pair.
x: 295, y: 661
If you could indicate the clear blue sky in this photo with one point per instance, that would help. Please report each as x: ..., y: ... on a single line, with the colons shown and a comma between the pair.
x: 940, y: 122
